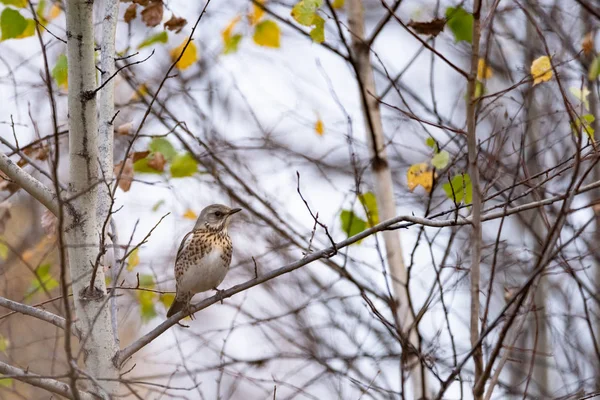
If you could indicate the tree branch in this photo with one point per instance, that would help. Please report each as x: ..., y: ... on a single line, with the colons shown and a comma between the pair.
x: 43, y: 315
x: 51, y: 385
x: 31, y: 185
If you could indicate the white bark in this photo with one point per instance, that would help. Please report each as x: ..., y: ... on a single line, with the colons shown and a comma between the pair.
x: 384, y: 186
x: 81, y: 228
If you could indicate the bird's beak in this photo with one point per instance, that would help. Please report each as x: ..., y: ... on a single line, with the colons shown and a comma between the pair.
x: 234, y: 211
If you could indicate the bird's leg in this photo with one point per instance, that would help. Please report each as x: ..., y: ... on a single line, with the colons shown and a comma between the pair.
x: 189, y: 312
x: 220, y: 294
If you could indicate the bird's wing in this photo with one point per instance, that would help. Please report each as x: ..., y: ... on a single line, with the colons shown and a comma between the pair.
x: 185, y: 240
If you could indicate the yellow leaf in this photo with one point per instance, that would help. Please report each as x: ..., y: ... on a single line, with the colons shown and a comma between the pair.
x: 541, y: 70
x: 229, y: 29
x: 483, y: 70
x: 419, y: 174
x: 338, y: 4
x: 54, y: 12
x: 167, y: 299
x: 141, y: 91
x: 133, y: 260
x: 257, y: 13
x: 267, y: 34
x: 188, y: 58
x: 319, y: 127
x: 189, y: 214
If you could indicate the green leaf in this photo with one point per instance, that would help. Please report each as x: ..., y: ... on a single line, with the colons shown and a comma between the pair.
x: 12, y: 24
x: 581, y: 95
x: 161, y: 37
x: 232, y: 44
x: 594, y: 69
x: 587, y: 120
x: 3, y: 251
x: 6, y: 382
x: 183, y: 165
x: 163, y: 146
x: 43, y: 280
x: 15, y: 3
x: 351, y: 223
x: 431, y: 143
x: 440, y: 160
x: 459, y: 189
x: 142, y: 167
x: 3, y: 344
x: 60, y: 71
x: 156, y: 206
x: 317, y: 34
x: 147, y: 281
x: 304, y: 11
x: 369, y: 202
x: 460, y: 23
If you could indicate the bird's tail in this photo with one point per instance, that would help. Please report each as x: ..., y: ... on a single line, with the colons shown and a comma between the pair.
x: 177, y: 306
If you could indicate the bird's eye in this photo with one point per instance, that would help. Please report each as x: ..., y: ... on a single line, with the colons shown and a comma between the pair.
x: 218, y: 214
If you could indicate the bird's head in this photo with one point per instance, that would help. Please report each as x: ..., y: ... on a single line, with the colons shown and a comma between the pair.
x: 215, y: 217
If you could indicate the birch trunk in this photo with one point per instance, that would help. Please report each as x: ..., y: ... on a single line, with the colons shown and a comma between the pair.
x: 81, y: 228
x: 384, y: 187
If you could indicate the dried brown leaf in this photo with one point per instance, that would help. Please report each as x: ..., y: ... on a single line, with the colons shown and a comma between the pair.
x: 432, y: 28
x: 126, y: 175
x: 141, y: 2
x: 130, y: 13
x: 138, y: 155
x: 588, y: 44
x: 157, y: 162
x: 175, y: 24
x: 125, y: 129
x: 153, y: 13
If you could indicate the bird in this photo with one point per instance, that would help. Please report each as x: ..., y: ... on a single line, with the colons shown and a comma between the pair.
x: 203, y: 257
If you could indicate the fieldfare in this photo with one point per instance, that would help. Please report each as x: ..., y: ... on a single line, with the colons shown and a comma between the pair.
x: 204, y: 256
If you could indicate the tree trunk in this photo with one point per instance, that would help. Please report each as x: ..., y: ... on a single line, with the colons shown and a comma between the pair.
x: 81, y: 227
x: 384, y: 186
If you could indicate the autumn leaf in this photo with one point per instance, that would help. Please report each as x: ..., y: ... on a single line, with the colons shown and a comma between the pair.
x: 337, y: 4
x: 54, y: 12
x: 3, y: 251
x: 594, y: 71
x: 588, y: 44
x: 541, y: 70
x: 231, y: 41
x: 127, y: 174
x: 162, y: 145
x: 189, y: 214
x: 157, y: 162
x: 138, y: 155
x: 175, y: 24
x: 161, y: 37
x: 188, y: 58
x: 167, y: 299
x: 130, y: 13
x: 43, y: 280
x: 152, y: 14
x: 133, y: 260
x: 419, y: 174
x: 431, y: 28
x: 183, y: 165
x: 29, y: 29
x: 125, y: 129
x: 257, y: 13
x: 319, y: 127
x: 267, y: 34
x: 304, y: 11
x: 483, y: 70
